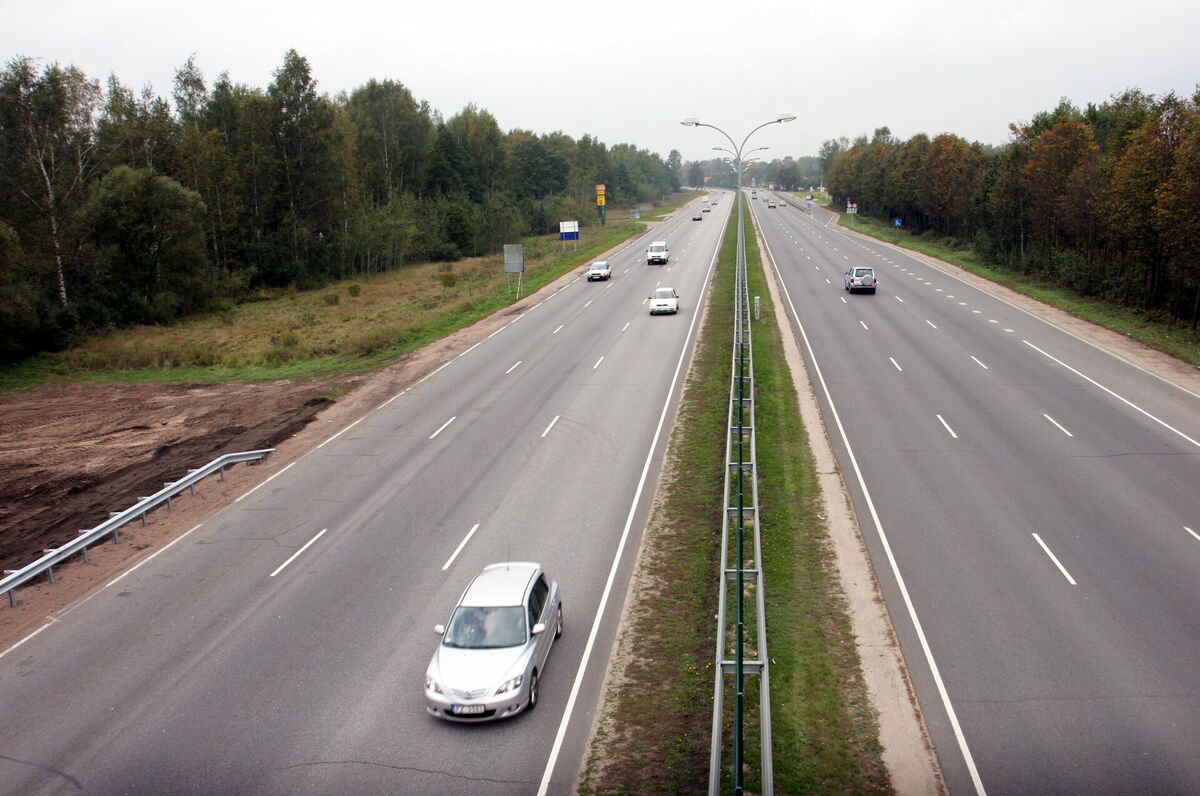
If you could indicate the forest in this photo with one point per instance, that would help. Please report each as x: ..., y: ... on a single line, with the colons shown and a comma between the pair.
x: 120, y: 207
x: 1104, y: 201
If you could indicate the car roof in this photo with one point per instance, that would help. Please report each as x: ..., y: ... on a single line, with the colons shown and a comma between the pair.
x: 501, y: 584
x: 600, y: 263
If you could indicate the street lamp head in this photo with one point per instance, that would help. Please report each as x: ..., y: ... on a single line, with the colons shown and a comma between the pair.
x: 692, y: 121
x: 786, y: 117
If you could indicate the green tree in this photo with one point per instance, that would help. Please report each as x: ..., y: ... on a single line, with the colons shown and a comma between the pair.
x: 47, y: 143
x: 148, y: 245
x: 539, y: 172
x: 675, y: 169
x: 19, y: 319
x: 395, y: 139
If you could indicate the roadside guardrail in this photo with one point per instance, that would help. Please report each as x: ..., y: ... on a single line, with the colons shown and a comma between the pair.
x: 14, y: 578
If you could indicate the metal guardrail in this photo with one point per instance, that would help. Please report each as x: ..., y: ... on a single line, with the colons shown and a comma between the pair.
x: 741, y: 511
x: 15, y: 578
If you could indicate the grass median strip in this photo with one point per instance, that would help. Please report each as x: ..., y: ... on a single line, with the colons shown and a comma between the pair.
x: 655, y: 725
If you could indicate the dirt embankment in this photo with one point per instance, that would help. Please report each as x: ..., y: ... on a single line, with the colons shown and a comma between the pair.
x: 71, y: 453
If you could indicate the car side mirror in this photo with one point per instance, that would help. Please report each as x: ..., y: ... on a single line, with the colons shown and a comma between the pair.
x: 540, y: 627
x: 439, y: 629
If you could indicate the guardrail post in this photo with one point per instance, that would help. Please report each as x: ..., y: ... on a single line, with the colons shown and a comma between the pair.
x: 86, y: 560
x: 50, y: 570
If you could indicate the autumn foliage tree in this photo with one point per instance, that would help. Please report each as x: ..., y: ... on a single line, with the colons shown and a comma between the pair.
x: 1105, y: 201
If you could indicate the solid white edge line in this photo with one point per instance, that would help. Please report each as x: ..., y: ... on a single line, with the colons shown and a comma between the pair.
x: 268, y: 480
x: 443, y: 428
x: 514, y: 367
x: 27, y: 638
x: 293, y: 556
x: 947, y: 425
x: 112, y: 582
x: 343, y: 431
x: 552, y: 422
x: 1057, y: 424
x: 612, y: 572
x: 1125, y: 401
x: 461, y: 545
x: 1054, y: 558
x: 951, y: 714
x: 906, y: 253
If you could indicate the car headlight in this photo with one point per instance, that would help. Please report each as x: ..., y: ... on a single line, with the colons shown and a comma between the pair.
x: 510, y: 685
x: 432, y: 685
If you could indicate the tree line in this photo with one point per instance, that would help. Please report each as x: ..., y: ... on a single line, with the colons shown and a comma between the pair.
x: 1103, y: 200
x: 788, y: 173
x: 120, y: 207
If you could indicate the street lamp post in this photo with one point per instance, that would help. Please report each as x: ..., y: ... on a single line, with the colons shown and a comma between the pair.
x: 739, y: 691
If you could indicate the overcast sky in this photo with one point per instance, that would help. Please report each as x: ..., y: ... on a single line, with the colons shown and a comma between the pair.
x: 627, y: 72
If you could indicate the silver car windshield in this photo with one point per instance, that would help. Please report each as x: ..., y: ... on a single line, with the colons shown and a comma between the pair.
x: 478, y: 627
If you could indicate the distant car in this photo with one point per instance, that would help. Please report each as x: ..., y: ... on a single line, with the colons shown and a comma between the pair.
x: 698, y: 217
x: 861, y: 279
x: 705, y: 210
x: 496, y: 644
x: 664, y: 300
x: 599, y: 270
x: 770, y: 205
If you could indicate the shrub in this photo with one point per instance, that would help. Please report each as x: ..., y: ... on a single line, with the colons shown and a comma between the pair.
x: 354, y: 290
x: 332, y: 299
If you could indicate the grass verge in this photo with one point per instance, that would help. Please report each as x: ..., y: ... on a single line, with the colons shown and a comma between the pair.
x: 1173, y: 339
x: 350, y: 326
x: 655, y: 726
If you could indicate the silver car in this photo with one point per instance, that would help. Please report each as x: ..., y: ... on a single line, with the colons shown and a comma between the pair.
x: 495, y: 646
x: 861, y: 279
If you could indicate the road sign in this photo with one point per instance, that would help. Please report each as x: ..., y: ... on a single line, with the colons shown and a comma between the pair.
x: 600, y: 187
x: 514, y: 258
x: 600, y: 200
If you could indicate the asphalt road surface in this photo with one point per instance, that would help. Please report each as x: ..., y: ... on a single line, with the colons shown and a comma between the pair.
x: 1032, y: 508
x: 281, y: 646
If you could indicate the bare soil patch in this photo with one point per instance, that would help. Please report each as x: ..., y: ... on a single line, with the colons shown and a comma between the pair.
x: 71, y: 453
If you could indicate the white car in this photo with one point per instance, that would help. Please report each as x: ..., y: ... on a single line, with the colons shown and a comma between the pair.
x: 664, y: 300
x: 495, y: 646
x: 599, y: 270
x: 658, y: 253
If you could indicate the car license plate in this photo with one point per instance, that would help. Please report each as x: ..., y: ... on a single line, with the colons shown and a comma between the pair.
x: 466, y: 708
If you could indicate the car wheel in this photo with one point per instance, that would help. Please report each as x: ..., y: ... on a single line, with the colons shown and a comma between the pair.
x: 558, y: 628
x: 533, y: 691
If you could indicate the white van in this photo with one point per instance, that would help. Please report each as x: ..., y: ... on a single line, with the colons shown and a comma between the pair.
x: 658, y: 253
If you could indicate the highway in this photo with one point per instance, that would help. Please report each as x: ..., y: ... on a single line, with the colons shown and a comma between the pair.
x: 281, y: 646
x: 1031, y: 505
